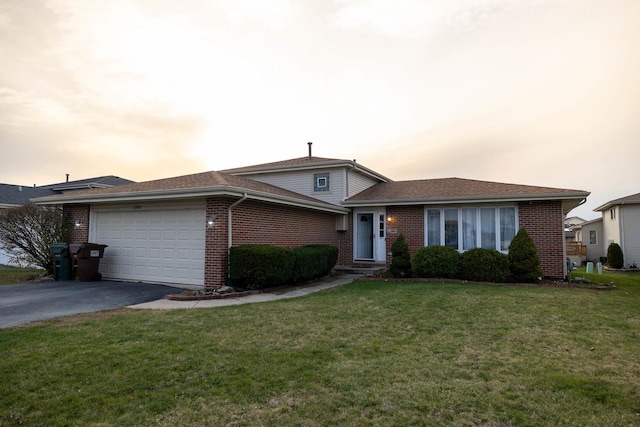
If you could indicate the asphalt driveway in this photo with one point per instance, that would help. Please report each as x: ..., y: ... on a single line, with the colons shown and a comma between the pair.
x: 30, y: 302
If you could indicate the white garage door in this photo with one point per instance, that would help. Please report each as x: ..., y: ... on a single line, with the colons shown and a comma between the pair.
x: 163, y: 244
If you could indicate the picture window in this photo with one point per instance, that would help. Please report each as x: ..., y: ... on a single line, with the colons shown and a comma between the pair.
x: 468, y: 228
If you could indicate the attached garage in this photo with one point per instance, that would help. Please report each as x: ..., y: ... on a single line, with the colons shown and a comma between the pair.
x: 178, y: 231
x: 163, y: 243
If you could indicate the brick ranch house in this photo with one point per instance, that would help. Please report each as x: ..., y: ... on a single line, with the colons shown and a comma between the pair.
x: 178, y: 230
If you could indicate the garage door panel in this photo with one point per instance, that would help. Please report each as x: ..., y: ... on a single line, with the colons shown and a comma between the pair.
x: 164, y: 245
x: 155, y: 253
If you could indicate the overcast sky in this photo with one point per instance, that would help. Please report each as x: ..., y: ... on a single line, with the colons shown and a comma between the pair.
x: 539, y: 92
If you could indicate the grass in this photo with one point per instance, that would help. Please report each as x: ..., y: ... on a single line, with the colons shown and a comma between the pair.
x: 370, y: 353
x: 10, y: 275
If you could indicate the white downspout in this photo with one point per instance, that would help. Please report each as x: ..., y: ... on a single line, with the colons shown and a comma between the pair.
x: 229, y: 221
x: 621, y: 232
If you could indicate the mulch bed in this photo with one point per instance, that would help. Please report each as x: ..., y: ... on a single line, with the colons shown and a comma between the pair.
x: 187, y: 296
x: 543, y: 283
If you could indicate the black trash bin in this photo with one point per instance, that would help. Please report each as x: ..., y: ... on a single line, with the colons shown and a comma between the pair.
x: 61, y: 261
x: 86, y: 261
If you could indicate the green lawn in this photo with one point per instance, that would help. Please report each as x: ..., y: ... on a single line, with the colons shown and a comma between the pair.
x: 9, y: 274
x: 370, y: 353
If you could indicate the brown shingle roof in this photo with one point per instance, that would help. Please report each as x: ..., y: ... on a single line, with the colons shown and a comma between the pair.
x: 300, y: 161
x: 456, y: 190
x: 303, y: 163
x: 205, y: 183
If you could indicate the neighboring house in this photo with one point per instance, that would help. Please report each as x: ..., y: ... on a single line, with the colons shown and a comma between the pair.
x: 178, y: 230
x: 573, y: 221
x: 12, y: 196
x: 621, y: 225
x: 570, y: 226
x: 589, y: 234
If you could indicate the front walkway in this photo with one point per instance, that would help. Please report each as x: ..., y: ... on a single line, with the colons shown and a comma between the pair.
x: 332, y: 282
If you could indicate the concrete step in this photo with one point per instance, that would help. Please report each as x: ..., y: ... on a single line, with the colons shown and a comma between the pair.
x: 355, y: 269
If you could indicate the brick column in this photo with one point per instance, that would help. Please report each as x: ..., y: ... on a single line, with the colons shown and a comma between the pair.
x: 408, y: 221
x: 216, y: 240
x: 544, y: 222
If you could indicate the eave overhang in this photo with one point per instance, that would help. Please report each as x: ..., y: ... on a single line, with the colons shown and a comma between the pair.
x: 569, y: 200
x: 312, y: 166
x: 178, y: 194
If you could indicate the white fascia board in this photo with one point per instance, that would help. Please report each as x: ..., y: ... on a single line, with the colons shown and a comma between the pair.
x: 458, y: 201
x: 189, y: 193
x: 613, y: 203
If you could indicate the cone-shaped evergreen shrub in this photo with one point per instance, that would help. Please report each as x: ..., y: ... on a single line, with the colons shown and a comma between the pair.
x: 615, y: 258
x: 401, y: 259
x: 524, y: 261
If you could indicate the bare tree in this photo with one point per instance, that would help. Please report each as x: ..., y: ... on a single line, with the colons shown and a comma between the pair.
x: 27, y: 233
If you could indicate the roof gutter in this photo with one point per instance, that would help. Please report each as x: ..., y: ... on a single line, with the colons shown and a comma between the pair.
x: 183, y: 193
x: 318, y: 165
x: 456, y: 200
x: 609, y: 205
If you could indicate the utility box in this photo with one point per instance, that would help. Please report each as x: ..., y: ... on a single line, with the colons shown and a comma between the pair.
x: 61, y: 261
x: 86, y: 261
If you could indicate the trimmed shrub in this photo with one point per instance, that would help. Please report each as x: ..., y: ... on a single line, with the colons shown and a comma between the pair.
x: 484, y: 265
x: 437, y: 262
x: 524, y: 262
x: 313, y: 261
x: 260, y: 266
x: 615, y: 257
x: 401, y: 259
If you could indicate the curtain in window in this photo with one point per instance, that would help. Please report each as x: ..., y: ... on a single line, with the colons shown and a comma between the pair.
x: 507, y: 227
x: 433, y: 227
x: 488, y: 228
x: 468, y: 228
x: 451, y: 228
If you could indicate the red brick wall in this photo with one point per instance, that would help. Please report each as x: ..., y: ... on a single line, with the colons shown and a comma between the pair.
x: 262, y: 223
x: 256, y: 222
x: 544, y: 222
x: 73, y: 213
x: 345, y: 257
x: 215, y: 262
x: 408, y: 221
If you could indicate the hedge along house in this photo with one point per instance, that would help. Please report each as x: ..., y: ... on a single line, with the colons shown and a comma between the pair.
x: 178, y: 230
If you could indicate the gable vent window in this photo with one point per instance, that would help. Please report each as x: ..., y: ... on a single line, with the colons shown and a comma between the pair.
x: 321, y: 182
x: 613, y: 213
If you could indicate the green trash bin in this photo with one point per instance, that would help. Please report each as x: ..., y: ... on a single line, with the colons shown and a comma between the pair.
x: 61, y: 261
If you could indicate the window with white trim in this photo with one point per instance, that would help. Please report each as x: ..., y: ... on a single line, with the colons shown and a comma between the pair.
x: 471, y: 227
x: 593, y: 237
x: 320, y: 182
